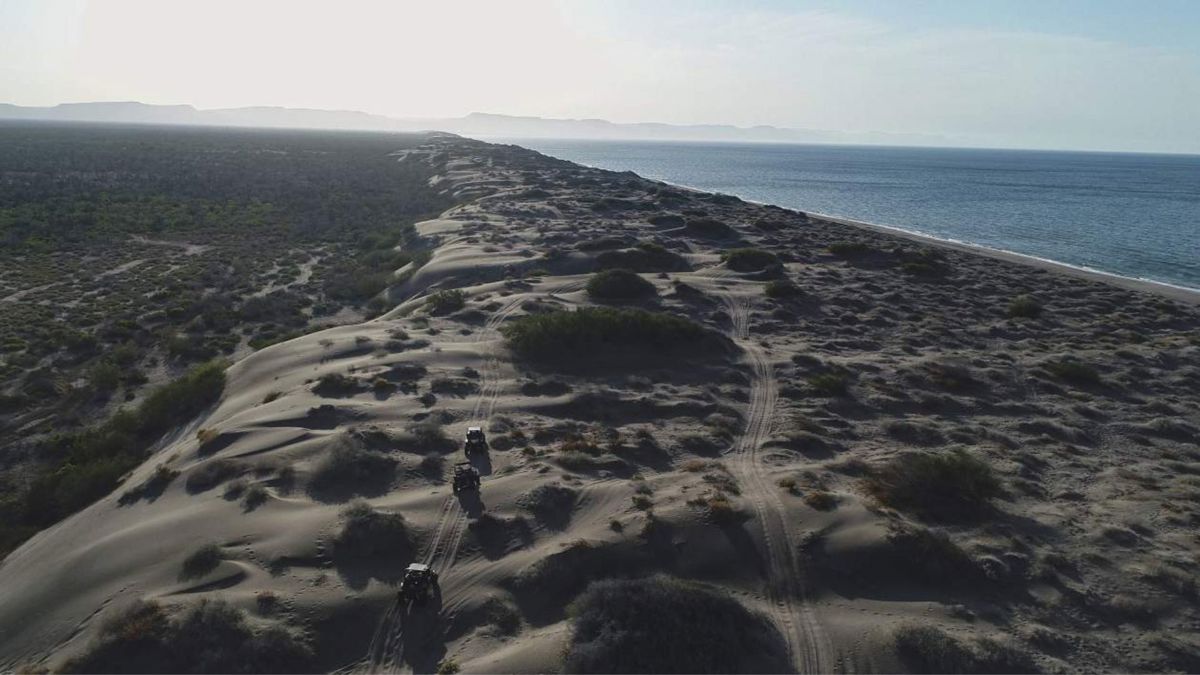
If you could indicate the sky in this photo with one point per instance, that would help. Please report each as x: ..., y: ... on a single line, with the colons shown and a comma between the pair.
x: 1073, y: 74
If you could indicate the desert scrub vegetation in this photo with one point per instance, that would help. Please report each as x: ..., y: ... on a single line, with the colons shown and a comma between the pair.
x: 444, y: 302
x: 830, y: 383
x: 619, y: 284
x: 336, y: 385
x: 709, y: 228
x: 208, y: 637
x: 850, y: 249
x: 603, y: 332
x: 1073, y: 372
x: 350, y: 469
x: 666, y: 625
x: 926, y: 649
x: 90, y: 463
x: 367, y: 533
x: 644, y: 257
x: 944, y: 486
x: 201, y: 561
x: 749, y: 259
x: 781, y: 289
x: 1024, y: 307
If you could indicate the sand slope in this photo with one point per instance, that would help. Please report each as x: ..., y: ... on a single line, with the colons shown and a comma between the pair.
x: 1087, y: 561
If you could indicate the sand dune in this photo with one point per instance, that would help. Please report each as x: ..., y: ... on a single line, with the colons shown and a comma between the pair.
x: 746, y: 470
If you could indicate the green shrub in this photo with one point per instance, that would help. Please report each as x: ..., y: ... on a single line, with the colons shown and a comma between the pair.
x: 832, y: 383
x: 1073, y: 372
x: 444, y: 302
x: 947, y: 486
x: 645, y: 257
x: 590, y: 333
x: 95, y: 459
x: 665, y: 625
x: 210, y: 637
x: 619, y: 284
x: 105, y: 376
x: 709, y: 228
x: 781, y: 289
x: 1025, y: 307
x: 749, y: 259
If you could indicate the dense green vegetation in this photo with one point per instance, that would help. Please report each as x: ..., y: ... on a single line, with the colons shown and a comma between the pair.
x: 132, y: 253
x: 604, y: 332
x: 665, y: 625
x: 83, y: 466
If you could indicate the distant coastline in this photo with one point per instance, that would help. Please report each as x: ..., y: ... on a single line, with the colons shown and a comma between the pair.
x: 754, y: 192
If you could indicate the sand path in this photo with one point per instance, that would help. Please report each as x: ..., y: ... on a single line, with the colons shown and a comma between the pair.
x: 808, y: 647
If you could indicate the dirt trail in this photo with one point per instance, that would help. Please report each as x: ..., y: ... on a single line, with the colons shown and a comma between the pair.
x: 808, y: 647
x: 387, y: 647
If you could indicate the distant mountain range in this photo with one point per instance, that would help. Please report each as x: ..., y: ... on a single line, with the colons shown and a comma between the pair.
x: 476, y: 125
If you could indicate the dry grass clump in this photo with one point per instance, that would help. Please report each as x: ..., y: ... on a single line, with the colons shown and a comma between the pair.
x: 665, y: 625
x: 945, y: 486
x: 209, y: 637
x: 926, y: 649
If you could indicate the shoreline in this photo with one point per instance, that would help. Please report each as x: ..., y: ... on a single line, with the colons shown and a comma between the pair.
x: 1162, y: 288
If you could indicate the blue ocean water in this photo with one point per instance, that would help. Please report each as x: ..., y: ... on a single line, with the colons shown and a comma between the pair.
x: 1128, y: 214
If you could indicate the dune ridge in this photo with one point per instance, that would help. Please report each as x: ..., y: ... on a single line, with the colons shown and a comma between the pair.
x: 755, y: 469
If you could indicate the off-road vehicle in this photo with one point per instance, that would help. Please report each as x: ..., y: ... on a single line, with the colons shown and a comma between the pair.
x: 465, y: 477
x: 476, y: 441
x: 418, y: 583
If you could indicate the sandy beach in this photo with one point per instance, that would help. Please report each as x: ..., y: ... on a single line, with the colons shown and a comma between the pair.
x: 764, y: 459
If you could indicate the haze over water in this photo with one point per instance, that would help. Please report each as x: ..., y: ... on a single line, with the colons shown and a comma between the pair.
x: 1130, y: 214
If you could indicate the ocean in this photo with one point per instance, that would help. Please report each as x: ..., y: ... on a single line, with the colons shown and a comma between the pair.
x: 1128, y: 214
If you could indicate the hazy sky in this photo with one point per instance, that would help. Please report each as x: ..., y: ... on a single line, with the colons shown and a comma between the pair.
x: 1102, y: 74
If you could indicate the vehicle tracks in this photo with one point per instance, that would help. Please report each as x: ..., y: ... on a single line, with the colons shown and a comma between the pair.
x: 807, y: 645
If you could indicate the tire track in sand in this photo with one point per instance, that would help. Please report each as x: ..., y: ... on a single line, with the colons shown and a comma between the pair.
x: 807, y: 645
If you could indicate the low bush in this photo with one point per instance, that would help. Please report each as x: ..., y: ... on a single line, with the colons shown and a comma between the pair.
x: 749, y: 259
x: 209, y: 475
x: 367, y: 533
x: 947, y: 486
x: 1024, y: 307
x: 210, y: 637
x: 833, y: 383
x: 665, y: 625
x: 619, y: 284
x: 781, y: 289
x: 709, y: 228
x: 1073, y: 372
x: 351, y: 470
x: 201, y: 561
x: 926, y: 649
x: 444, y: 302
x: 336, y: 385
x: 602, y: 332
x: 645, y: 257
